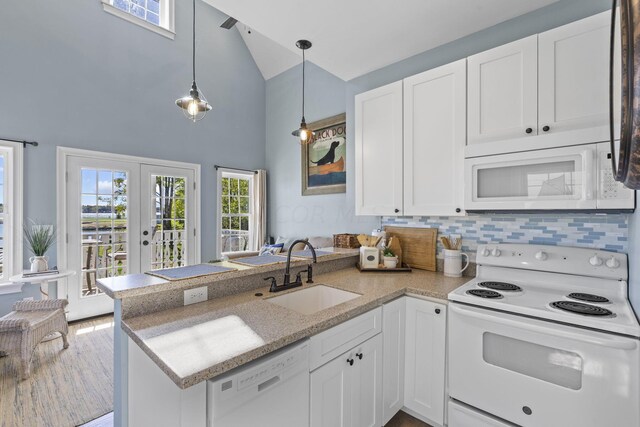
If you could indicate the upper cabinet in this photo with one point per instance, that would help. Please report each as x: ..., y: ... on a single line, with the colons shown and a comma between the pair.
x: 418, y: 171
x: 547, y: 90
x: 379, y: 151
x: 434, y: 140
x: 574, y: 78
x: 503, y: 92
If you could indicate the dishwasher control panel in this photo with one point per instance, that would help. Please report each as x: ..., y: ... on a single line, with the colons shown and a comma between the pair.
x: 262, y: 373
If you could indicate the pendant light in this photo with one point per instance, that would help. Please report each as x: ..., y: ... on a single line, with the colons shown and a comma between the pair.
x: 304, y: 134
x: 195, y: 105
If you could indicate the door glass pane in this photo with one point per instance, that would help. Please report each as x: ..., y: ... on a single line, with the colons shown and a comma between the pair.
x: 168, y: 243
x: 530, y: 181
x: 104, y: 225
x: 560, y: 367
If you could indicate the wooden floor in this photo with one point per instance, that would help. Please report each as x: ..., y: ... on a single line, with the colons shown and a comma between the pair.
x: 67, y: 388
x: 402, y: 419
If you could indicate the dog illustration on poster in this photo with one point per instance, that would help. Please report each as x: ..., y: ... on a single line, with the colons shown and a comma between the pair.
x: 324, y: 160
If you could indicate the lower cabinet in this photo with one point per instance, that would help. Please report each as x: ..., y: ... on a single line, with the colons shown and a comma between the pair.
x: 347, y: 391
x: 424, y: 362
x: 393, y: 343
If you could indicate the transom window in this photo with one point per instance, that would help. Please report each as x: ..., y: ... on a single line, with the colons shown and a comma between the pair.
x: 155, y: 15
x: 236, y: 215
x: 149, y: 10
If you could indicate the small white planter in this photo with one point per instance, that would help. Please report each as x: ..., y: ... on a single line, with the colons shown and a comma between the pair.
x: 390, y: 261
x: 39, y: 263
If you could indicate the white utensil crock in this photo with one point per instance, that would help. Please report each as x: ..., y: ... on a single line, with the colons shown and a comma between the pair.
x: 453, y: 263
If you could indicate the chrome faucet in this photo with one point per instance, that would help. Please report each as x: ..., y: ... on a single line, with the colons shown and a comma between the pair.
x: 287, y: 272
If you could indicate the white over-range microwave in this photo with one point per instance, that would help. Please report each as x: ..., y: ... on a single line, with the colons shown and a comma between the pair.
x: 572, y: 178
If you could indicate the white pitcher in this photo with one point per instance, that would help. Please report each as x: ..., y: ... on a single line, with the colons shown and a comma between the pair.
x: 39, y: 263
x: 453, y: 262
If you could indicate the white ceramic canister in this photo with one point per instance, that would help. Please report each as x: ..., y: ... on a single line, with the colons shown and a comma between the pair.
x: 453, y: 262
x: 39, y: 263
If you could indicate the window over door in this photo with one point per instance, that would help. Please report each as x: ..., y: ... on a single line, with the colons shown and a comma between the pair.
x: 10, y: 213
x: 155, y: 15
x: 236, y: 216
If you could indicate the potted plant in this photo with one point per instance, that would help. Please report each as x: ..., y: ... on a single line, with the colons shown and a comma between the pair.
x: 390, y: 259
x: 40, y: 238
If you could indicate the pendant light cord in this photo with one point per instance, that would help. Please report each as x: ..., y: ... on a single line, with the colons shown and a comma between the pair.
x: 303, y: 83
x: 194, y: 41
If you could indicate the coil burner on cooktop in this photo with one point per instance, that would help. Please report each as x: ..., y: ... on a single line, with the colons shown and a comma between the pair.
x: 484, y: 293
x: 581, y: 308
x: 580, y: 296
x: 500, y: 286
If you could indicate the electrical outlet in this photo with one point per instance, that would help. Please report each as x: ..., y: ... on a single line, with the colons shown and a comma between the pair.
x: 192, y: 296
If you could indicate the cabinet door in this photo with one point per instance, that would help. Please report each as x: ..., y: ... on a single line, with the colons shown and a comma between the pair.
x: 574, y: 79
x: 393, y: 341
x: 379, y: 151
x: 503, y: 92
x: 331, y: 393
x: 366, y: 392
x: 434, y: 140
x: 424, y: 390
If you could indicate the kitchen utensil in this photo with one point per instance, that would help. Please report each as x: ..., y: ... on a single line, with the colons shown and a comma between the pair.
x: 453, y: 262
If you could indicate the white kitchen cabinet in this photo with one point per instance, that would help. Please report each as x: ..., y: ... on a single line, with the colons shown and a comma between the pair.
x: 434, y: 140
x: 393, y: 344
x: 378, y: 129
x: 424, y: 391
x: 347, y: 391
x: 410, y: 139
x: 547, y: 90
x: 574, y: 78
x: 503, y: 91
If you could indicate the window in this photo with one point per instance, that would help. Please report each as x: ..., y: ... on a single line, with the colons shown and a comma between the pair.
x: 10, y: 214
x: 155, y: 15
x: 236, y: 219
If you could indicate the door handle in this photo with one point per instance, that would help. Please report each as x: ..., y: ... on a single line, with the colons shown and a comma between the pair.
x: 145, y: 242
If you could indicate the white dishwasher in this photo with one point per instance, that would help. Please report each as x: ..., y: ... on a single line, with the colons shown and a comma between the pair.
x: 272, y: 391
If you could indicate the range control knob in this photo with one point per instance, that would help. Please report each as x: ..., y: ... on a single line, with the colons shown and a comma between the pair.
x: 485, y: 252
x: 595, y: 261
x: 613, y: 263
x: 541, y: 256
x: 496, y: 252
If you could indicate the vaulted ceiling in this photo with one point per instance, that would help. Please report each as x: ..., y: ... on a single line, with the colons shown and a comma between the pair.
x: 353, y: 37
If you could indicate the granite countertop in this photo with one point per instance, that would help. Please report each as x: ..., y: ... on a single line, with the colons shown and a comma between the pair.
x: 142, y: 284
x: 197, y: 342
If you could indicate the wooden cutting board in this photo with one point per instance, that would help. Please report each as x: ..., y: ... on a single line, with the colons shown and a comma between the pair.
x: 418, y: 246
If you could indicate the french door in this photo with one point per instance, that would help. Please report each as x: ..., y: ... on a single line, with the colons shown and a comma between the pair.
x: 123, y: 217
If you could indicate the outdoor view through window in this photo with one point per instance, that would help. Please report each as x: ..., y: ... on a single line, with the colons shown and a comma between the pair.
x: 236, y: 212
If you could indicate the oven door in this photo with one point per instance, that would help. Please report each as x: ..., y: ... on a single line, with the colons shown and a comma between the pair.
x: 538, y: 373
x: 552, y: 179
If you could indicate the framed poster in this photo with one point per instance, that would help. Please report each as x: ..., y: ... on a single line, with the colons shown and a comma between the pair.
x: 324, y: 160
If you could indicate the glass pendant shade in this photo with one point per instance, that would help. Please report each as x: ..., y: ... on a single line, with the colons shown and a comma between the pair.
x: 304, y: 134
x: 195, y: 105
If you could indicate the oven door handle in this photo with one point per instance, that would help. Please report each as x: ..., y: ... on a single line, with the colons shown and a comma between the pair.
x: 612, y: 342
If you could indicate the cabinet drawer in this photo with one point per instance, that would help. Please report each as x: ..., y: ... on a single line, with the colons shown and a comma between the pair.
x: 335, y: 341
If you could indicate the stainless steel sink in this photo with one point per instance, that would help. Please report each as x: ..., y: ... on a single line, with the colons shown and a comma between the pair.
x: 314, y: 299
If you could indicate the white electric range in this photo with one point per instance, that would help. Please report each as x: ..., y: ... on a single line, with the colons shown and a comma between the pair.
x: 544, y: 336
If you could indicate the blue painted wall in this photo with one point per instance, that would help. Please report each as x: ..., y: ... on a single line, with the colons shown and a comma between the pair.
x: 290, y: 213
x: 73, y: 75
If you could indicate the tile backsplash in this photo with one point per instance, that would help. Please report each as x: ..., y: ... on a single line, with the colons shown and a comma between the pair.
x: 608, y: 231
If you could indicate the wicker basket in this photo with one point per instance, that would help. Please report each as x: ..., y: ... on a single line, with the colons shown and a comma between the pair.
x: 346, y: 241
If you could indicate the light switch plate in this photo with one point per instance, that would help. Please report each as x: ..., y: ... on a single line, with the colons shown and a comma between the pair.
x: 192, y: 296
